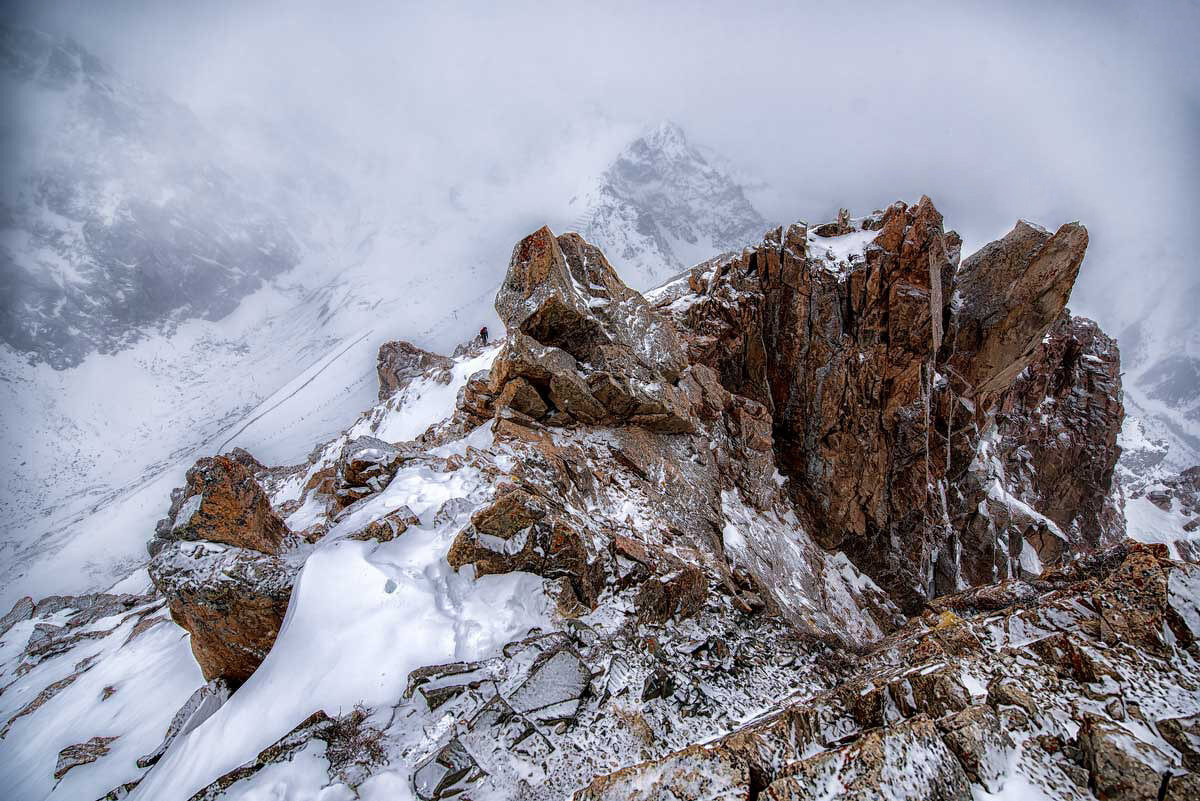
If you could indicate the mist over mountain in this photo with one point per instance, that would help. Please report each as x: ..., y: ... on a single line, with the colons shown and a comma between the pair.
x: 119, y: 215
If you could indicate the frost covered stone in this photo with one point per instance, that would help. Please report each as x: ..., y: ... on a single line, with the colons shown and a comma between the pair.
x: 231, y: 600
x: 222, y: 502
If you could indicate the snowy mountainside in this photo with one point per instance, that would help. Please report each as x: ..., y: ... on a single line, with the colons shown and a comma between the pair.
x: 1160, y: 439
x: 662, y: 207
x: 94, y: 449
x: 1161, y: 356
x: 89, y: 447
x: 119, y: 215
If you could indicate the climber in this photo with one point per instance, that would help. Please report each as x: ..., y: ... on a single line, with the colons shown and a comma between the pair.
x: 483, y: 335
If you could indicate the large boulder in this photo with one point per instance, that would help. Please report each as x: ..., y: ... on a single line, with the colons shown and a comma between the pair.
x: 221, y: 502
x: 1121, y: 767
x: 399, y: 363
x: 232, y: 602
x: 583, y: 347
x: 1011, y: 291
x: 365, y: 467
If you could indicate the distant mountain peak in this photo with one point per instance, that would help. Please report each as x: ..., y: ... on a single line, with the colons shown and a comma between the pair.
x: 662, y: 207
x: 667, y: 139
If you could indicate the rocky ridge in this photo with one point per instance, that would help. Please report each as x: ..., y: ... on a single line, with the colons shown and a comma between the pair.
x: 831, y: 512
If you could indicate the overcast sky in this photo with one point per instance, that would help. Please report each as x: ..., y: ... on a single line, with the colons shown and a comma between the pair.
x: 1049, y: 111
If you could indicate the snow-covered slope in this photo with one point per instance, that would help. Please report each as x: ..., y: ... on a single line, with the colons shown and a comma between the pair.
x: 1160, y: 353
x: 662, y: 207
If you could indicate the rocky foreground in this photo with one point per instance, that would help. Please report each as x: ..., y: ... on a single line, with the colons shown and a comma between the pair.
x: 831, y: 517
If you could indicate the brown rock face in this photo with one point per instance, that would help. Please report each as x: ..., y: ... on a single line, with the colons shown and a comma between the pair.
x: 223, y: 503
x: 882, y: 368
x: 1059, y: 423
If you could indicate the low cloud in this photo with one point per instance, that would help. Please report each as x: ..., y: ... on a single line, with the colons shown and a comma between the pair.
x: 1053, y: 112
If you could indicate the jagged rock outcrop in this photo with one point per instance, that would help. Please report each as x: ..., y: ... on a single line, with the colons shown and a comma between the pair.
x: 881, y: 363
x: 729, y: 488
x: 587, y: 354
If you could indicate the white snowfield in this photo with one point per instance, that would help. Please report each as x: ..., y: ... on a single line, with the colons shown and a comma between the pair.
x: 130, y: 694
x: 362, y: 616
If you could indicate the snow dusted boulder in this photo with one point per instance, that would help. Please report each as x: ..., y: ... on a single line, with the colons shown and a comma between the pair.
x: 583, y: 346
x: 221, y: 502
x: 1149, y: 602
x: 389, y: 527
x: 215, y: 558
x: 1120, y: 766
x: 399, y: 363
x: 365, y: 467
x: 231, y: 600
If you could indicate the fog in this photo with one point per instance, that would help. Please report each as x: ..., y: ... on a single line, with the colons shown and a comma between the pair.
x: 1048, y: 111
x: 1051, y: 112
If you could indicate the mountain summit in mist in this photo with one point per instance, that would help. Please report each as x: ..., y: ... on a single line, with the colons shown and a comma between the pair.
x: 722, y: 509
x: 662, y: 207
